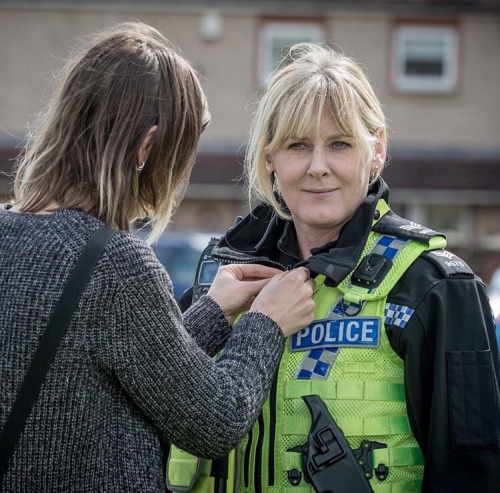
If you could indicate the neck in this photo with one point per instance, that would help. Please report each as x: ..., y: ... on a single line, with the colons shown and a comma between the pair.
x: 309, y: 238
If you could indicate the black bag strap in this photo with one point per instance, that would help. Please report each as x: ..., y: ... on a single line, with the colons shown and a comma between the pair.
x: 49, y: 342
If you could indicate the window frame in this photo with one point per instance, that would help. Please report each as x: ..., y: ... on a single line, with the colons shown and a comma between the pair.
x: 408, y: 83
x: 271, y: 29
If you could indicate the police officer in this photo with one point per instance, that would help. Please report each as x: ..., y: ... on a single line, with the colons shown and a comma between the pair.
x: 401, y: 362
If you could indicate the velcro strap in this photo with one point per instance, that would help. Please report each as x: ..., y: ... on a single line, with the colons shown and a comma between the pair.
x: 398, y: 456
x: 406, y: 487
x: 354, y: 426
x: 391, y: 457
x: 355, y: 390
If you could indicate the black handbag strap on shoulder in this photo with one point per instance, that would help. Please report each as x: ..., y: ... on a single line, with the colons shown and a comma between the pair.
x: 49, y: 343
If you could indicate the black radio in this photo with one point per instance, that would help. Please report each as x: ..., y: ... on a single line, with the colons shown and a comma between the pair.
x: 206, y: 271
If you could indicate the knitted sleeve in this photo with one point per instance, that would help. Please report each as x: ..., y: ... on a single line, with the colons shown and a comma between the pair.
x: 201, y: 405
x: 214, y: 333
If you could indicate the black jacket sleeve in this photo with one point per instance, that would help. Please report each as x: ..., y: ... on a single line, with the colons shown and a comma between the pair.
x: 451, y: 360
x: 186, y: 299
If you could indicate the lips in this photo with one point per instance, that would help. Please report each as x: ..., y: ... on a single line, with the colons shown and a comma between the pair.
x: 320, y: 191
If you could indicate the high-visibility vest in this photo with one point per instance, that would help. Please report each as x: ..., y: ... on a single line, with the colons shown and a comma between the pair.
x: 362, y: 384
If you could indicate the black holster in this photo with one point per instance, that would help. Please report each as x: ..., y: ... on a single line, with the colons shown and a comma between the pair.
x: 329, y: 463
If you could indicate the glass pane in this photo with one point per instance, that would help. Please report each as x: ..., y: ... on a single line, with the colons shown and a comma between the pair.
x: 424, y: 57
x: 425, y: 48
x: 276, y: 39
x: 423, y: 67
x: 281, y: 45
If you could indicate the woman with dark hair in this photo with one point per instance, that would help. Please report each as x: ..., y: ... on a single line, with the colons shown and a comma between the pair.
x: 131, y: 375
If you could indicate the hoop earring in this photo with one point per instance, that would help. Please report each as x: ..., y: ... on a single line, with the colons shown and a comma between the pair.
x: 141, y: 166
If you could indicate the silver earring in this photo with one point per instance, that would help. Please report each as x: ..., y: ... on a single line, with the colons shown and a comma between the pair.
x: 274, y: 184
x: 141, y: 166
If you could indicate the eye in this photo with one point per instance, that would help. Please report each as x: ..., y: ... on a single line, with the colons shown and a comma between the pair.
x: 340, y: 144
x: 297, y: 145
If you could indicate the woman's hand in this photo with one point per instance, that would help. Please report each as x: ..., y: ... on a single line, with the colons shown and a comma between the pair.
x: 236, y: 285
x: 287, y: 299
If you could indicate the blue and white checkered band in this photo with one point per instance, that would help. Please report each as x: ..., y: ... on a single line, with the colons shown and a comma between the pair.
x: 317, y: 364
x: 389, y: 246
x: 397, y: 314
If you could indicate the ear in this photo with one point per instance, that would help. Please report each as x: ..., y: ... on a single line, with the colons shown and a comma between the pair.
x: 146, y: 145
x: 380, y: 151
x: 269, y: 165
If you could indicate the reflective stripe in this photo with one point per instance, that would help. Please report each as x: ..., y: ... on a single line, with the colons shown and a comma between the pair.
x: 354, y: 426
x: 356, y: 390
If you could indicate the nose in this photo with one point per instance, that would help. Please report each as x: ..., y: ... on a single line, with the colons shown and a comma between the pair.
x: 318, y: 166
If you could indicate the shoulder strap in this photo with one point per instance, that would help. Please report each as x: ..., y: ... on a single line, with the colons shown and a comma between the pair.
x: 388, y: 253
x: 49, y: 342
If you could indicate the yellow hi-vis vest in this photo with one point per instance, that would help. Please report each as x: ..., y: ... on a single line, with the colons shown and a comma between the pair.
x: 363, y: 388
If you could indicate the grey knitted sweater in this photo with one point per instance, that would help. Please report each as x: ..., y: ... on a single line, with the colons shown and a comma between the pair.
x: 129, y: 375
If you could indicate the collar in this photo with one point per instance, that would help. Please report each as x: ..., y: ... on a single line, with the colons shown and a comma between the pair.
x: 263, y: 237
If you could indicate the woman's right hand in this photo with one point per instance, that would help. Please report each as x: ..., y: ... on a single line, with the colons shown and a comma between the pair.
x: 287, y: 299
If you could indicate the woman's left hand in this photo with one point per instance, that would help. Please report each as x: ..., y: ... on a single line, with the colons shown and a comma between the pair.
x: 236, y: 285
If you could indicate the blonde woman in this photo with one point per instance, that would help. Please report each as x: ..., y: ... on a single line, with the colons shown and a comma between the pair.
x: 118, y: 142
x: 394, y: 386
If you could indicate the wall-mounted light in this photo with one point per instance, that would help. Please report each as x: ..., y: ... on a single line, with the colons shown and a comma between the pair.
x: 211, y: 26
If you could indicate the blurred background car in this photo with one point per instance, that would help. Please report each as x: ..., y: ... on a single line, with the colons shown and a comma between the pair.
x: 179, y: 252
x: 494, y: 295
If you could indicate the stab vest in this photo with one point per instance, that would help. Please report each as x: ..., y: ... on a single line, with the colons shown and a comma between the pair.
x: 360, y: 379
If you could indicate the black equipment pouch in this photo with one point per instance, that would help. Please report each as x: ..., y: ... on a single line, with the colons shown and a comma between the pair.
x: 329, y: 463
x: 205, y: 272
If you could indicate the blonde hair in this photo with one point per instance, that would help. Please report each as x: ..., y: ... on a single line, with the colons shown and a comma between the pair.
x: 311, y: 78
x: 84, y: 151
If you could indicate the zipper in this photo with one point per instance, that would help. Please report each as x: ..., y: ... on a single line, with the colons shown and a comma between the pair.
x: 256, y: 260
x: 246, y: 460
x: 258, y: 457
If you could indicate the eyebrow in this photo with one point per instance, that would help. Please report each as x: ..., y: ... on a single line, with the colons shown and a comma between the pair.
x: 330, y: 137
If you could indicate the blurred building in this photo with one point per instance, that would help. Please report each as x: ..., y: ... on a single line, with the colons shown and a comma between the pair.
x: 434, y: 64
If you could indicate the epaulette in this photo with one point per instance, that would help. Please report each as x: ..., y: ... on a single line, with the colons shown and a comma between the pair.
x: 392, y: 224
x: 449, y: 264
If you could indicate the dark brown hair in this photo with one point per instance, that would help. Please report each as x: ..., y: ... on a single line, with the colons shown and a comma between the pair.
x: 84, y: 151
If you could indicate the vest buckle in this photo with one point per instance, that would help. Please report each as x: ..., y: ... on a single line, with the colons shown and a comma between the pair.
x: 363, y: 455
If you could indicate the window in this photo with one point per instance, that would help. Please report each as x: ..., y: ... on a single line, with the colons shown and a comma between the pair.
x: 276, y: 37
x: 452, y: 220
x: 488, y: 228
x: 425, y: 59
